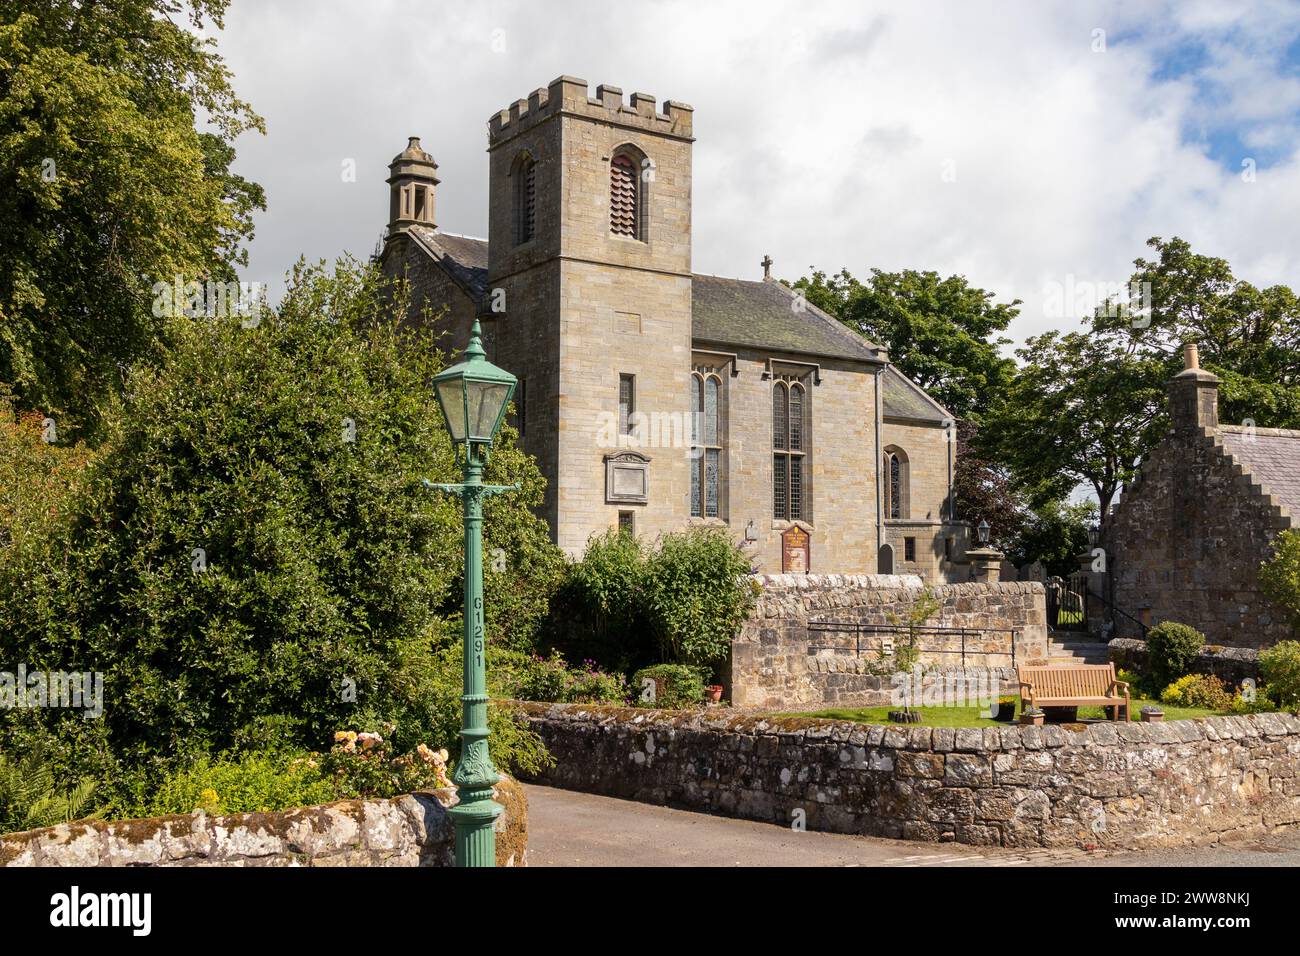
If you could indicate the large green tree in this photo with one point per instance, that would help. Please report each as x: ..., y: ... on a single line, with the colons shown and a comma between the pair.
x: 116, y: 132
x: 251, y: 559
x: 942, y: 333
x: 1247, y: 335
x: 1081, y: 409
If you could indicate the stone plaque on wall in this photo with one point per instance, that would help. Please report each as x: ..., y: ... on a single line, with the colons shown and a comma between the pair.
x: 796, y: 551
x: 627, y: 478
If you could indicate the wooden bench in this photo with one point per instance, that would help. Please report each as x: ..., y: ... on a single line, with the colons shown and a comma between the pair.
x: 1074, y: 685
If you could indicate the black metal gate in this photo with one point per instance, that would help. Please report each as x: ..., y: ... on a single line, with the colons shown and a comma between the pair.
x: 1067, y: 602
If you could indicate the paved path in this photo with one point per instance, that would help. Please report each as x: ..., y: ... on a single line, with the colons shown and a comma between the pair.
x: 566, y: 828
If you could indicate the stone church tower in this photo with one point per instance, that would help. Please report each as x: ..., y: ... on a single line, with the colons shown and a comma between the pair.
x: 589, y: 284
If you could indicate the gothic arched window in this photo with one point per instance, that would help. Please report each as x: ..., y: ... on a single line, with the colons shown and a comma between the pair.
x: 897, y: 482
x: 525, y: 212
x: 789, y: 450
x: 706, y: 445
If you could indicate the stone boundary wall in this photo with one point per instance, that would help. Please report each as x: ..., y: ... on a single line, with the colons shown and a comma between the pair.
x: 1232, y: 664
x: 412, y: 830
x: 777, y: 663
x: 1109, y: 785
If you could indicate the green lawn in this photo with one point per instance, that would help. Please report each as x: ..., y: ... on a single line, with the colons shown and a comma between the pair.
x: 970, y: 716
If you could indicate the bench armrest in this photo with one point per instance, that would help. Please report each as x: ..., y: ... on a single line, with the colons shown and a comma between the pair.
x: 1120, y: 683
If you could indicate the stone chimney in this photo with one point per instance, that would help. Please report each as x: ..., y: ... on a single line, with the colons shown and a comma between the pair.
x: 1194, y: 394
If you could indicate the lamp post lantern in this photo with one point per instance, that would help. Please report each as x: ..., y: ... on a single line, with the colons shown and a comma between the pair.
x: 983, y: 530
x: 473, y: 395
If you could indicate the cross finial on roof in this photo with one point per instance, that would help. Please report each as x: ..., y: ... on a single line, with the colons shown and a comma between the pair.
x: 767, y: 266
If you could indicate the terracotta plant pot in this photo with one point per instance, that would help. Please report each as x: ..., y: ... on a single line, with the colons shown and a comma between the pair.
x: 713, y: 693
x: 1151, y: 716
x: 1033, y: 720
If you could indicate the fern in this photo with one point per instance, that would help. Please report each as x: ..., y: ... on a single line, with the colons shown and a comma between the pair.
x: 30, y: 799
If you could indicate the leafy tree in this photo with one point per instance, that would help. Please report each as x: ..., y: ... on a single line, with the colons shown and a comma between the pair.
x: 1279, y: 576
x: 1055, y: 533
x: 110, y: 187
x: 1249, y: 336
x: 942, y: 333
x: 254, y: 562
x: 984, y: 489
x: 1081, y: 408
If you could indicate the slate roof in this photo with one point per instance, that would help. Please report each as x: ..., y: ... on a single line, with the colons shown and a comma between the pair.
x: 903, y: 398
x: 464, y: 257
x: 733, y: 312
x: 1272, y: 455
x: 761, y: 315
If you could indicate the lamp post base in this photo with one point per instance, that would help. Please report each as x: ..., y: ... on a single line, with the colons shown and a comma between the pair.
x: 476, y: 832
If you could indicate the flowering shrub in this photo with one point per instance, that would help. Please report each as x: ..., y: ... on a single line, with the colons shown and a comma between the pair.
x: 1198, y: 690
x: 551, y: 679
x: 362, y: 765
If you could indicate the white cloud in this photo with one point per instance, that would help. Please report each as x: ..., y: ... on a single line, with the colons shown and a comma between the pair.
x: 823, y: 130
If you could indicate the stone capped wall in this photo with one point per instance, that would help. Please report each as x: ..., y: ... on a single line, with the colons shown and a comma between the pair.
x: 1231, y: 664
x: 776, y: 662
x: 412, y: 830
x: 1108, y: 785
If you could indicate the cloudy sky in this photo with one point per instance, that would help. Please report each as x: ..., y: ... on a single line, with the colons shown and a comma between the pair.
x: 1031, y: 146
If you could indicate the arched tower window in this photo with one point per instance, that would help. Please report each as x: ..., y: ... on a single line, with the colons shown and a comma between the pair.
x: 628, y: 182
x: 525, y: 187
x: 706, y: 445
x: 897, y: 484
x: 789, y: 450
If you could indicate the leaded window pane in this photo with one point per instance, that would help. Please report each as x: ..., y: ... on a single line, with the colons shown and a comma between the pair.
x: 695, y: 489
x: 796, y: 488
x: 895, y: 487
x: 778, y: 485
x: 780, y: 417
x: 796, y: 418
x: 711, y: 483
x: 710, y: 411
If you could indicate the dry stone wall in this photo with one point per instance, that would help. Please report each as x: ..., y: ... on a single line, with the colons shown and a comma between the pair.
x: 412, y: 830
x: 1109, y: 785
x: 777, y: 662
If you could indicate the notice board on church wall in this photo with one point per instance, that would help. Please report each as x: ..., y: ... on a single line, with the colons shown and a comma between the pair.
x: 796, y: 551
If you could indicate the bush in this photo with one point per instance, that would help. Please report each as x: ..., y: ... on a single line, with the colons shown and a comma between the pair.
x: 599, y: 612
x: 235, y: 783
x: 551, y: 679
x: 253, y: 562
x: 1198, y: 690
x: 669, y: 686
x: 1279, y: 665
x: 697, y: 594
x: 1171, y: 650
x: 627, y: 606
x: 1279, y: 576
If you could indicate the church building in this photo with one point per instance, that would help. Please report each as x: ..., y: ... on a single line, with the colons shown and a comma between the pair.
x: 652, y: 397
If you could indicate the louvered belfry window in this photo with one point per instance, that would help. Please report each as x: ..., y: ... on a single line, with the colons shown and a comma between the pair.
x: 789, y: 450
x: 623, y: 207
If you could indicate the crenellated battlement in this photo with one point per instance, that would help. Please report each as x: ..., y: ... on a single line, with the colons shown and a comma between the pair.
x: 571, y: 96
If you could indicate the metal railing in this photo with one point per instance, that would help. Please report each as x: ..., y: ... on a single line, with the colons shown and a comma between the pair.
x: 914, y: 635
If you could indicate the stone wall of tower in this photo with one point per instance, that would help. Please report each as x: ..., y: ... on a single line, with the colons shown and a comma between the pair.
x: 583, y: 306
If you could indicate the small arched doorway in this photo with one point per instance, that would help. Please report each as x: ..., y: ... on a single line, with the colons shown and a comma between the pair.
x: 885, y: 559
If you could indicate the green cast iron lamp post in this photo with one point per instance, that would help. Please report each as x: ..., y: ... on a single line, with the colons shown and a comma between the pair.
x: 473, y: 395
